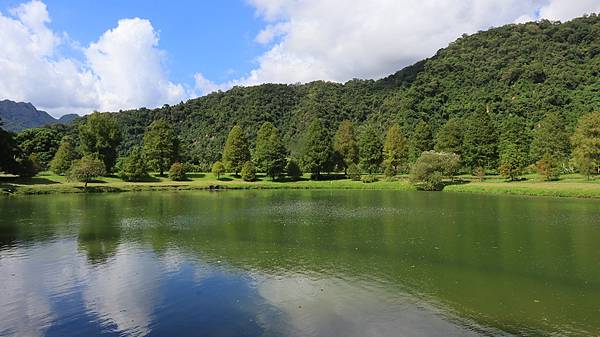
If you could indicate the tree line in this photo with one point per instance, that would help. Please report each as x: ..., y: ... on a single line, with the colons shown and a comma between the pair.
x: 469, y: 145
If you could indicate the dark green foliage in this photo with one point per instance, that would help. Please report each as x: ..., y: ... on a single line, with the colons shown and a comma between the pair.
x: 86, y: 169
x: 161, y: 146
x: 64, y: 157
x: 134, y: 167
x: 236, y: 151
x: 218, y: 169
x: 354, y: 172
x: 262, y: 148
x: 421, y: 140
x: 100, y: 134
x: 345, y: 145
x: 42, y: 143
x: 449, y: 138
x: 9, y: 152
x: 270, y: 154
x: 248, y: 171
x: 549, y: 167
x: 428, y: 172
x: 395, y: 151
x: 293, y: 170
x: 511, y: 161
x: 317, y: 152
x: 177, y: 172
x: 550, y: 136
x: 586, y: 144
x: 480, y: 142
x: 514, y: 141
x: 370, y: 150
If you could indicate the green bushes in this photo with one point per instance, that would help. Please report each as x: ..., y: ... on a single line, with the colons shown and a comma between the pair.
x: 177, y: 172
x: 431, y: 168
x: 293, y: 170
x: 86, y: 169
x: 134, y: 167
x: 248, y: 171
x: 354, y: 172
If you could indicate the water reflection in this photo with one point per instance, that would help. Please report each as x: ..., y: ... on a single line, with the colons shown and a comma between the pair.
x: 300, y: 263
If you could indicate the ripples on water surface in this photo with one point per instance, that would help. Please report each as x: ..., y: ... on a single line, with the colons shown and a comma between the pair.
x: 299, y: 263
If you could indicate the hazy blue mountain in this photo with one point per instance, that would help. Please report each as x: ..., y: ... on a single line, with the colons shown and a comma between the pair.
x: 17, y: 116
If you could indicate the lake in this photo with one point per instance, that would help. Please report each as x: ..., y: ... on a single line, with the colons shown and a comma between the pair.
x: 299, y: 263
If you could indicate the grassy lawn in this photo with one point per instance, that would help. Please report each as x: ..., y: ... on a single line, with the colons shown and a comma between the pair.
x: 45, y: 183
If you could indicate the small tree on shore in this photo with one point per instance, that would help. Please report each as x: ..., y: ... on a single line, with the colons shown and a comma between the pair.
x: 218, y: 169
x: 293, y: 170
x: 395, y: 151
x: 86, y: 169
x: 161, y: 146
x: 248, y: 171
x: 549, y: 167
x: 177, y: 172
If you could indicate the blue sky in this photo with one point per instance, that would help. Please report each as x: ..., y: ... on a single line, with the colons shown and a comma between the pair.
x: 214, y: 37
x: 80, y: 56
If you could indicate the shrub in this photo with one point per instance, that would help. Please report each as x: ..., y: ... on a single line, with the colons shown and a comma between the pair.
x: 248, y: 171
x: 479, y: 172
x: 86, y: 169
x: 429, y: 170
x: 217, y: 169
x: 177, y: 172
x: 134, y: 167
x: 293, y: 170
x: 389, y: 172
x: 354, y: 172
x: 189, y: 167
x: 369, y: 178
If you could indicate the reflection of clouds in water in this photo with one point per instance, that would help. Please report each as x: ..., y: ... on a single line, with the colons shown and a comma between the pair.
x: 29, y: 280
x: 332, y: 307
x: 124, y: 291
x: 120, y: 294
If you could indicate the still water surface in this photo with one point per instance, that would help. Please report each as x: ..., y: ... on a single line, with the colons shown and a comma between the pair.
x: 299, y: 263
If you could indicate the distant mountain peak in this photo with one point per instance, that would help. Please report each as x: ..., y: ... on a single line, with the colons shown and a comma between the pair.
x: 17, y: 116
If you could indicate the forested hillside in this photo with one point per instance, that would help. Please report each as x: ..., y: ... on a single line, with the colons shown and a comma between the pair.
x: 525, y: 70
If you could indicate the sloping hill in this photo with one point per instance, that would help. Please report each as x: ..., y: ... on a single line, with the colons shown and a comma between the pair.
x: 17, y: 116
x: 526, y: 70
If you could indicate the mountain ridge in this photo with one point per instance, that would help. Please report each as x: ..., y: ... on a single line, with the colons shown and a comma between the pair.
x: 17, y: 116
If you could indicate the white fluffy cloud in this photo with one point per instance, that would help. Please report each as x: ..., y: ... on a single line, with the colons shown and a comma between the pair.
x: 339, y: 40
x: 123, y: 69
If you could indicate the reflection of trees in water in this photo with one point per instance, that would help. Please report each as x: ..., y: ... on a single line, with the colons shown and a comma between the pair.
x: 99, y: 230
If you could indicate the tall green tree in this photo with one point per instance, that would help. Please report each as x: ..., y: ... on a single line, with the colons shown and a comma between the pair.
x: 480, y: 142
x: 421, y: 140
x: 395, y: 149
x: 261, y: 150
x: 550, y: 136
x: 513, y: 147
x: 370, y: 150
x: 101, y: 134
x: 161, y: 146
x: 236, y: 152
x: 586, y: 144
x: 317, y: 152
x: 41, y: 143
x: 345, y: 144
x: 449, y: 138
x: 276, y: 158
x: 64, y: 157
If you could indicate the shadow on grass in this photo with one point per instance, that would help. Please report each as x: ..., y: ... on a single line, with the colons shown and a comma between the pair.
x: 28, y: 181
x: 195, y: 175
x: 225, y: 179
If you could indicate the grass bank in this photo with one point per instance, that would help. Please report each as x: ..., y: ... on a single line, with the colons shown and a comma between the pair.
x: 47, y: 183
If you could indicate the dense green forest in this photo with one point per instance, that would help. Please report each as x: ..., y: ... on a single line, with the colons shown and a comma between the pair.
x: 501, y: 99
x: 525, y: 70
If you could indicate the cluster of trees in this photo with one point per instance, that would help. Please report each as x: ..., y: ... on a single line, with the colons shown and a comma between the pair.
x: 470, y: 145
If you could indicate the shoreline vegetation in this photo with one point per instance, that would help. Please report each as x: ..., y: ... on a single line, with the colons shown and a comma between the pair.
x: 574, y: 186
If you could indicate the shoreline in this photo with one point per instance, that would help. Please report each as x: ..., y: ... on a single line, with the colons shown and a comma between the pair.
x: 568, y: 187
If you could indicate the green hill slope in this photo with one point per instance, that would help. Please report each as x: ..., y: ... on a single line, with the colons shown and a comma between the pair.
x: 526, y: 70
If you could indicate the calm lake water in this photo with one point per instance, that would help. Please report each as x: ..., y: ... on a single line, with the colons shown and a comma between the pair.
x: 299, y: 263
